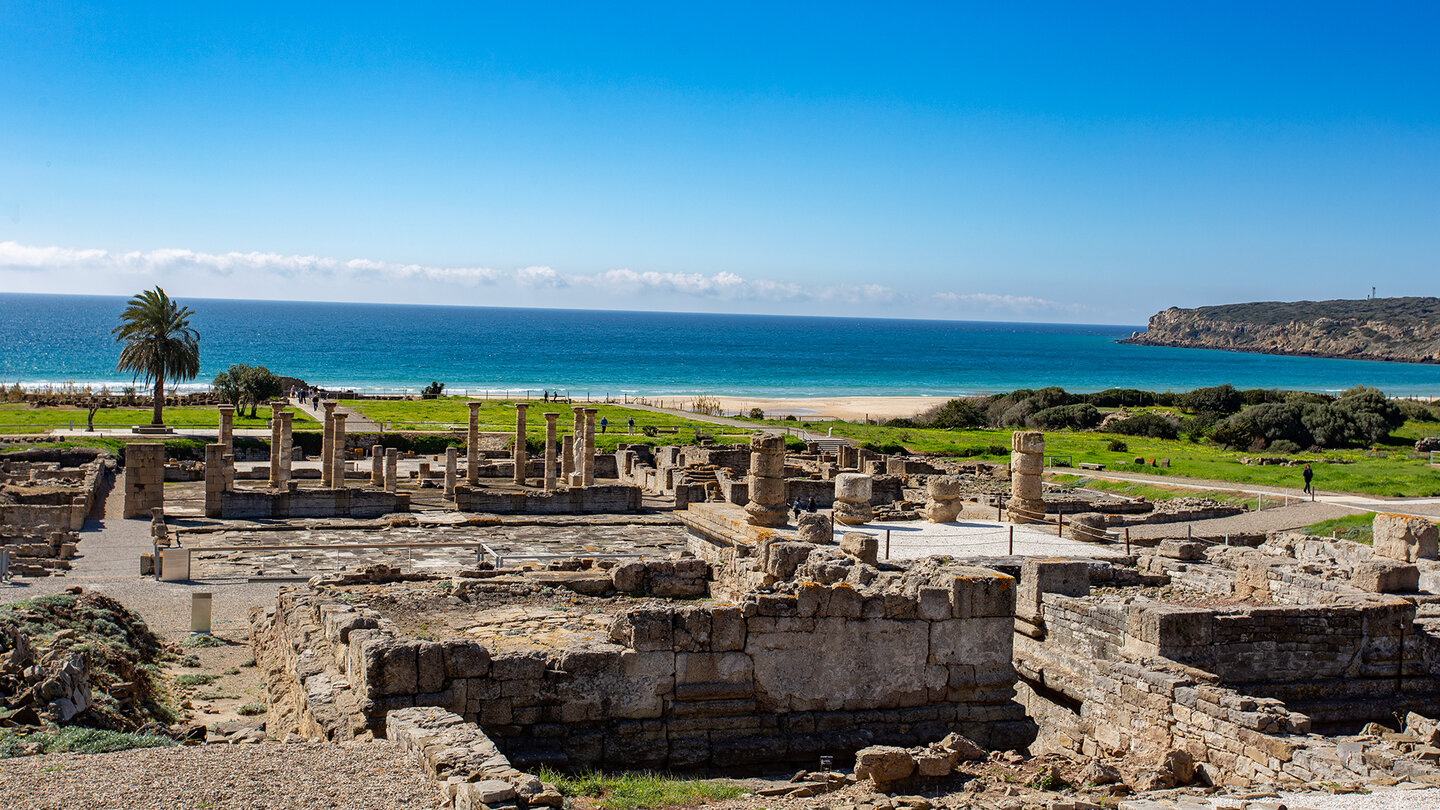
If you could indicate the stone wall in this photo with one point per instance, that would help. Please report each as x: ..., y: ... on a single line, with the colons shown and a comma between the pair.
x: 249, y: 504
x: 144, y: 479
x: 773, y: 677
x: 574, y: 500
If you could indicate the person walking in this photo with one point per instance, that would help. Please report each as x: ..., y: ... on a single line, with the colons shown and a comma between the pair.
x: 604, y: 423
x: 631, y: 424
x: 1309, y: 487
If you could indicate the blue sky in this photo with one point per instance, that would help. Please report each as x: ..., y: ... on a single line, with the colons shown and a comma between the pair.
x: 1067, y: 162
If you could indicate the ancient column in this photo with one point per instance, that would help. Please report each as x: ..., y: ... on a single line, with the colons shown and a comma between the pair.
x: 472, y: 446
x: 550, y: 451
x: 589, y: 459
x: 287, y: 446
x: 327, y: 445
x: 1027, y: 463
x: 377, y: 466
x: 852, y: 499
x: 227, y: 427
x: 519, y: 450
x: 277, y: 407
x: 337, y: 462
x: 943, y: 504
x: 451, y: 455
x: 767, y: 505
x: 392, y: 468
x: 214, y: 478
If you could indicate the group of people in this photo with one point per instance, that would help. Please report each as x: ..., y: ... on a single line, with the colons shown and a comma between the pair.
x: 554, y: 396
x: 803, y: 505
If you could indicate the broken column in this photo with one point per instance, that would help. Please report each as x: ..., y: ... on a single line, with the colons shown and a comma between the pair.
x: 144, y: 479
x: 943, y: 504
x: 767, y: 505
x: 377, y: 466
x: 287, y: 447
x: 451, y: 455
x: 327, y: 445
x: 550, y: 451
x: 227, y: 427
x: 276, y: 407
x: 472, y: 446
x: 392, y: 468
x: 214, y: 478
x: 588, y: 460
x: 1027, y: 462
x: 519, y: 451
x: 567, y: 458
x: 852, y: 499
x: 337, y: 463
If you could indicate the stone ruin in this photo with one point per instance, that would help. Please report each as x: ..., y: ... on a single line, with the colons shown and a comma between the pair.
x: 45, y: 498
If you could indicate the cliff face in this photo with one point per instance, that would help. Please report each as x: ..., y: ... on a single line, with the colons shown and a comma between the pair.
x: 1399, y: 329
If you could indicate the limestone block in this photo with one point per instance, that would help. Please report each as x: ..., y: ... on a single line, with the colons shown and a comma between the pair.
x: 965, y: 749
x: 1025, y: 510
x: 712, y: 676
x: 1026, y: 464
x: 389, y: 666
x: 1041, y: 576
x: 767, y: 491
x: 1027, y: 441
x: 884, y: 662
x: 1386, y: 576
x: 1165, y: 625
x: 1027, y: 487
x: 466, y: 659
x: 1404, y: 538
x: 853, y: 487
x: 1088, y: 527
x: 814, y: 528
x: 982, y: 593
x: 768, y: 465
x: 852, y: 514
x: 942, y: 511
x: 629, y: 577
x: 861, y: 546
x: 883, y: 764
x: 944, y: 487
x: 727, y: 629
x: 784, y: 557
x: 983, y: 643
x: 1188, y: 550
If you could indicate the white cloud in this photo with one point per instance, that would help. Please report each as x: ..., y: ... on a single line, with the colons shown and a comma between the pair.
x: 65, y: 264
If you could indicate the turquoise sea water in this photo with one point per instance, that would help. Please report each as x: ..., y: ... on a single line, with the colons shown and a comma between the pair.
x: 58, y: 339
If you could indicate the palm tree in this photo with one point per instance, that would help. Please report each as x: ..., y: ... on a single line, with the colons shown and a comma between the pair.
x: 159, y: 343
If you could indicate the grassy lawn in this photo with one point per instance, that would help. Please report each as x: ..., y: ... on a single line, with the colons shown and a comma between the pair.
x: 1391, y: 470
x: 1155, y: 492
x: 21, y: 418
x: 448, y: 413
x: 1360, y: 528
x: 636, y: 791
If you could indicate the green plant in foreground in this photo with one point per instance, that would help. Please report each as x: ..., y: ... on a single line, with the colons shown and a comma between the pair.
x: 204, y: 640
x: 195, y: 680
x: 640, y: 789
x: 79, y: 740
x: 250, y: 709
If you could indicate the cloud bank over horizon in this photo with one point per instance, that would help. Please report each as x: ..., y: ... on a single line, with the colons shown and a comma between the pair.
x: 259, y: 274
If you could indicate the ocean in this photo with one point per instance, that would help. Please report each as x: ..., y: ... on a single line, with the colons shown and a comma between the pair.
x: 55, y: 339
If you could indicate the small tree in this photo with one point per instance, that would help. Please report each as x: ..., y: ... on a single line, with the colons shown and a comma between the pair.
x: 229, y: 384
x: 433, y: 390
x: 260, y: 384
x: 159, y: 344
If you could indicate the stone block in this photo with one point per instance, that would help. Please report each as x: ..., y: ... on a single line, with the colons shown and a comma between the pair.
x: 1405, y: 538
x: 1041, y: 576
x: 466, y: 659
x: 861, y: 546
x: 853, y: 487
x: 782, y: 558
x: 1170, y: 625
x: 713, y: 675
x: 1386, y: 576
x: 883, y: 764
x: 1188, y: 550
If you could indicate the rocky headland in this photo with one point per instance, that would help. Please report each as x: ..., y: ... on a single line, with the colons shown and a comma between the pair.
x: 1397, y: 329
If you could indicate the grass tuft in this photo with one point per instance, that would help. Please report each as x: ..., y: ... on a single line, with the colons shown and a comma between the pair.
x: 639, y: 789
x: 79, y: 740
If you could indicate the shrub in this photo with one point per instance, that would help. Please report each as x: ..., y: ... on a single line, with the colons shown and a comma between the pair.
x: 80, y: 740
x: 757, y: 413
x: 1221, y: 399
x: 1284, y: 446
x: 433, y: 390
x: 1416, y: 411
x: 1117, y: 446
x: 1073, y: 417
x: 956, y: 414
x: 1120, y: 398
x: 1146, y: 423
x: 903, y: 422
x: 250, y: 709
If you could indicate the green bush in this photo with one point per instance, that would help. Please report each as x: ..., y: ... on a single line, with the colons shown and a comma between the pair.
x: 957, y: 414
x: 757, y: 413
x: 1083, y: 416
x: 1146, y: 423
x: 1117, y: 446
x: 1221, y: 399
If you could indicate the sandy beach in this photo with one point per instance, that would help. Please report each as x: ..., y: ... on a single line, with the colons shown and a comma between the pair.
x: 848, y: 408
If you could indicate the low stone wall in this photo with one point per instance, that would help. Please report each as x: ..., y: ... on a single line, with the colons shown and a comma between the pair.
x: 773, y: 677
x: 249, y: 504
x: 465, y: 765
x: 574, y: 500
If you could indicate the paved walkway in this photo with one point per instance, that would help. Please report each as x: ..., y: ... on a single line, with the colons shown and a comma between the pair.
x: 1418, y: 507
x: 355, y: 422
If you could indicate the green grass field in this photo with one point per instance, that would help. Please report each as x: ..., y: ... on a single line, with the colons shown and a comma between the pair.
x: 22, y: 418
x: 1359, y: 528
x: 1393, y: 470
x: 498, y: 416
x: 1157, y: 492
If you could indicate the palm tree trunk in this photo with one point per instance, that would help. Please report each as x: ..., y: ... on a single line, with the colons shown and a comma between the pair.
x: 159, y: 418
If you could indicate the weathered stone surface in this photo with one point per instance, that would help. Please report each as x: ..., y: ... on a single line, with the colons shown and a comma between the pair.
x: 883, y: 764
x: 1404, y: 538
x: 863, y: 547
x: 853, y: 487
x: 814, y: 528
x: 1386, y: 576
